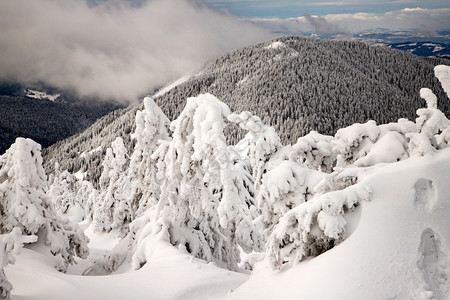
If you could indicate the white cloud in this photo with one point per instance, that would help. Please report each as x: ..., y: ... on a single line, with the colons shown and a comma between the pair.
x: 112, y: 50
x: 425, y: 20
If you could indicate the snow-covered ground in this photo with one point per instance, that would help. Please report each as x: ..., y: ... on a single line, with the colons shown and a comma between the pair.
x: 397, y: 249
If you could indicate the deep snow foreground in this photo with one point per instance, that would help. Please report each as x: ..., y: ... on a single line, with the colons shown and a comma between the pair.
x: 170, y: 274
x: 398, y: 247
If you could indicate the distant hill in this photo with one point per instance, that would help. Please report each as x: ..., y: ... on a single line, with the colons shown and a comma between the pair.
x: 294, y: 84
x: 45, y: 115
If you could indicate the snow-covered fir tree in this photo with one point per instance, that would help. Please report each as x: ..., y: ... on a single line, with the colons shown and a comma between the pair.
x: 113, y: 209
x: 151, y: 130
x: 25, y: 205
x: 63, y: 192
x: 203, y: 205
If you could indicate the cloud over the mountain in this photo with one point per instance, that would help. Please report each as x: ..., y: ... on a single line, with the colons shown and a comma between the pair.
x: 428, y: 20
x: 112, y: 50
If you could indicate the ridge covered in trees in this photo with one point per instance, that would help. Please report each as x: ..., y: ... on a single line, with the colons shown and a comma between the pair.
x: 45, y: 121
x: 293, y: 84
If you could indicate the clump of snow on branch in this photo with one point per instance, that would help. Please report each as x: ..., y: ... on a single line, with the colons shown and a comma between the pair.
x: 314, y: 151
x: 442, y: 72
x: 354, y: 142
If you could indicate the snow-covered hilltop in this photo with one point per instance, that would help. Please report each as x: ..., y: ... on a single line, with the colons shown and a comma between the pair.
x: 365, y: 210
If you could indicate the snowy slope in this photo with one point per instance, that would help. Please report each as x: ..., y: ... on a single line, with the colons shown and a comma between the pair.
x: 389, y: 254
x: 398, y: 250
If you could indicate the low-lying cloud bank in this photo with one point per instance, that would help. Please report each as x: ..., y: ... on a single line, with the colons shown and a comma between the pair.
x: 113, y: 50
x: 424, y: 20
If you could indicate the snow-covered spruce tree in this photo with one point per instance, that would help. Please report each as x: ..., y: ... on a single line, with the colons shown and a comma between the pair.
x: 354, y: 142
x: 113, y: 209
x: 10, y: 245
x: 151, y: 129
x: 88, y: 195
x: 314, y: 151
x: 202, y: 207
x: 24, y: 204
x: 263, y: 142
x: 433, y: 127
x: 62, y: 191
x: 284, y: 187
x: 313, y: 227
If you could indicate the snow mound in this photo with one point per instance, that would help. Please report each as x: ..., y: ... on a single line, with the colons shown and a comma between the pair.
x: 397, y: 250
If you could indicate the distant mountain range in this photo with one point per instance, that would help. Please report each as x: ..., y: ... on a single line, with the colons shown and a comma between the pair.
x: 434, y: 45
x: 294, y: 84
x: 427, y: 49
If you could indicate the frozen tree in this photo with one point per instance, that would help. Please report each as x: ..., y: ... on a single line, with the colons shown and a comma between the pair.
x: 62, y: 192
x: 442, y: 72
x: 263, y: 142
x: 113, y: 209
x: 354, y: 142
x: 284, y: 187
x: 151, y: 129
x: 24, y: 204
x: 433, y: 127
x: 202, y: 207
x: 314, y: 151
x: 88, y: 196
x: 313, y: 227
x: 10, y: 245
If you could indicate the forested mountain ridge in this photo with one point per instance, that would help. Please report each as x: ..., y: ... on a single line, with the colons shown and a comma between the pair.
x: 298, y: 84
x: 45, y: 121
x: 294, y: 84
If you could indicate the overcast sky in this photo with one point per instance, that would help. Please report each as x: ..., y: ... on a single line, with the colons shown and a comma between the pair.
x: 122, y: 49
x: 113, y: 50
x: 296, y: 8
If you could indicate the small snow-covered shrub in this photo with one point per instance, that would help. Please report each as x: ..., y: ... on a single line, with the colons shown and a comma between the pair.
x: 63, y: 193
x: 313, y: 227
